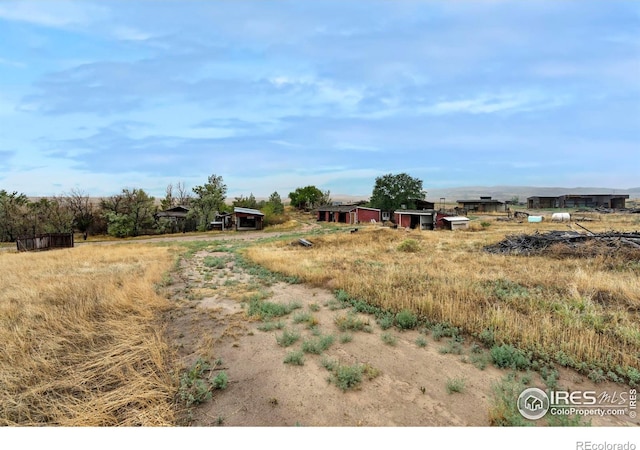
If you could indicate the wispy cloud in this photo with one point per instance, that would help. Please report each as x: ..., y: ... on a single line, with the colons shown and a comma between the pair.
x: 58, y: 14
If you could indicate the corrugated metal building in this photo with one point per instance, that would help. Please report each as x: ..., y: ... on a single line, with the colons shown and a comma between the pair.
x: 613, y: 201
x: 248, y: 219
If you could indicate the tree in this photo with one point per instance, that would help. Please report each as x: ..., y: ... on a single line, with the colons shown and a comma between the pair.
x: 49, y: 216
x: 13, y: 212
x: 246, y: 202
x: 175, y: 196
x: 209, y: 199
x: 392, y: 191
x: 275, y: 202
x: 306, y: 198
x: 81, y: 208
x: 129, y: 213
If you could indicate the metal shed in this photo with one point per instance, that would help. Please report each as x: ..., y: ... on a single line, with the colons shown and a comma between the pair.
x: 248, y: 219
x: 455, y: 222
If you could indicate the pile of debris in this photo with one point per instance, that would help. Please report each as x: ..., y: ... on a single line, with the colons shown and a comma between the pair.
x: 569, y: 243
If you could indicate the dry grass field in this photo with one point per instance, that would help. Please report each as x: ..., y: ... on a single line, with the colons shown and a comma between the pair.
x: 579, y: 312
x: 82, y: 344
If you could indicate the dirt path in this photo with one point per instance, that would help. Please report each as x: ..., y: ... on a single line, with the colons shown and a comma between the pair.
x: 408, y: 385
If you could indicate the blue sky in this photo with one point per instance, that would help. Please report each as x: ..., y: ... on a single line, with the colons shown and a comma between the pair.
x: 274, y: 95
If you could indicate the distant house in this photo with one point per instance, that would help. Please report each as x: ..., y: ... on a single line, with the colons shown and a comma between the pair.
x: 247, y: 219
x: 421, y: 219
x: 177, y: 217
x: 350, y: 214
x: 612, y: 201
x: 483, y: 204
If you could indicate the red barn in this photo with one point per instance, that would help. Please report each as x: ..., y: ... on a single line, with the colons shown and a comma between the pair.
x: 350, y: 214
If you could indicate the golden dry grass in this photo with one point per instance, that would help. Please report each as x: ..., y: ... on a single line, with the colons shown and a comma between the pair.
x: 584, y: 308
x: 82, y: 340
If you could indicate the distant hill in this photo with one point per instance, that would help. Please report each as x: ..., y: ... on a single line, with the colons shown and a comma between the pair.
x: 522, y: 192
x: 471, y: 192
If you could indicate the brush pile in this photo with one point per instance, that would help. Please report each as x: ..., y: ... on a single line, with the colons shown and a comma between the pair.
x: 568, y: 244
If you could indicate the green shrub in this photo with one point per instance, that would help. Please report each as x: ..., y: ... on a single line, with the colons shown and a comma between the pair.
x: 480, y: 360
x: 215, y: 263
x: 350, y: 321
x: 409, y: 246
x: 194, y: 389
x: 385, y: 321
x: 421, y: 341
x: 348, y: 377
x: 317, y: 345
x: 455, y: 385
x: 220, y: 381
x: 440, y: 330
x: 288, y: 338
x: 270, y: 326
x: 453, y: 347
x: 389, y: 339
x: 597, y: 376
x: 503, y: 411
x: 295, y: 358
x: 507, y: 356
x: 487, y: 338
x: 406, y: 320
x: 345, y: 338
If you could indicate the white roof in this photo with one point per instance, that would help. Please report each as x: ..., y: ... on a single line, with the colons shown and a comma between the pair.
x: 456, y: 219
x: 255, y: 212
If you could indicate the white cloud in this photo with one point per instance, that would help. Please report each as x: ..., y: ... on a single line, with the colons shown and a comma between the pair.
x: 58, y: 14
x: 125, y: 33
x: 492, y: 103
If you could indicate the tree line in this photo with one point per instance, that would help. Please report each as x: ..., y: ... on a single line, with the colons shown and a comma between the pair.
x: 132, y: 212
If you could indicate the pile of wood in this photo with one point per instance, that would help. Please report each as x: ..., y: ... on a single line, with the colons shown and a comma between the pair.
x: 567, y: 243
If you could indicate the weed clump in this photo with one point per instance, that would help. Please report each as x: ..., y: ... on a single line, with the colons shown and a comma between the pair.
x: 507, y: 356
x: 409, y: 246
x: 406, y: 320
x: 295, y: 358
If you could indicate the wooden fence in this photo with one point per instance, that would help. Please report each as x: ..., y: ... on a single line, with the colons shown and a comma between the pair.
x: 46, y: 241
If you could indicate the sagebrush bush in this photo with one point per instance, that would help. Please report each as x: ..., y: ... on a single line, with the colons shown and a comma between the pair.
x: 406, y: 320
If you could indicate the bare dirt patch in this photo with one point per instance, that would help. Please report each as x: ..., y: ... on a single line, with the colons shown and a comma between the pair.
x: 405, y: 385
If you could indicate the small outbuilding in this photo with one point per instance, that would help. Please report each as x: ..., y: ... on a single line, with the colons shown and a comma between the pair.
x: 349, y: 214
x: 421, y: 219
x: 455, y: 222
x: 248, y: 219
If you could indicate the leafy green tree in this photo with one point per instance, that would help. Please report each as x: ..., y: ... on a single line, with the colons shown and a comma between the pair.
x: 13, y: 212
x: 209, y: 200
x: 246, y: 202
x: 392, y: 191
x: 306, y: 197
x: 129, y: 213
x: 275, y: 202
x: 49, y: 216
